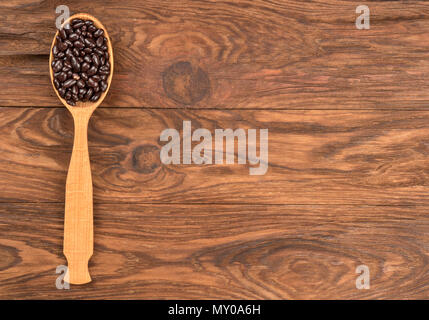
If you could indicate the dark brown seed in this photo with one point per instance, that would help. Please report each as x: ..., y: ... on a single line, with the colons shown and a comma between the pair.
x: 83, y: 28
x: 78, y: 32
x: 106, y: 54
x: 69, y: 74
x: 78, y: 44
x: 99, y: 51
x: 76, y: 52
x: 57, y: 66
x: 67, y: 64
x: 67, y: 95
x: 96, y: 89
x: 90, y: 43
x: 103, y: 60
x: 91, y: 71
x: 62, y: 76
x: 96, y: 60
x: 89, y: 93
x: 75, y: 90
x: 68, y: 43
x: 55, y: 50
x: 63, y: 34
x: 76, y: 76
x: 61, y: 46
x: 80, y: 59
x: 100, y: 42
x: 75, y: 97
x: 53, y: 63
x: 84, y: 33
x: 96, y: 78
x: 62, y: 92
x: 82, y: 53
x: 61, y: 55
x: 87, y: 59
x: 104, y: 48
x: 89, y: 35
x: 76, y: 21
x: 56, y: 83
x: 66, y: 69
x: 81, y: 84
x: 104, y: 72
x: 98, y: 33
x: 87, y: 50
x: 103, y: 77
x: 92, y: 28
x: 69, y: 83
x: 84, y: 76
x: 96, y: 96
x: 73, y: 37
x: 69, y: 52
x: 77, y: 25
x: 92, y: 83
x: 89, y: 22
x: 70, y: 102
x: 85, y: 66
x: 103, y: 86
x: 75, y: 64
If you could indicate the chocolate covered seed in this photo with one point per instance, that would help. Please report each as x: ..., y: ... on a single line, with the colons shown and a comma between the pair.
x: 80, y: 83
x: 73, y: 37
x: 78, y: 44
x: 103, y: 85
x: 87, y: 59
x: 96, y: 60
x: 98, y: 33
x: 92, y: 71
x: 57, y: 66
x: 69, y: 83
x: 89, y: 93
x: 99, y: 42
x: 63, y: 34
x: 90, y: 43
x: 85, y: 66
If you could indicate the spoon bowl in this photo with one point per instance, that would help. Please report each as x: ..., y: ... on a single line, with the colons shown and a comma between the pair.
x: 87, y: 104
x: 78, y: 218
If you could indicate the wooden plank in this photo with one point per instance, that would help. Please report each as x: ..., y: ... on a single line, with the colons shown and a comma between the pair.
x: 229, y: 252
x: 232, y: 54
x: 315, y: 157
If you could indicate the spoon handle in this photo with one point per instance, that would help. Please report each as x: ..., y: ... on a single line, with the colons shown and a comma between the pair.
x: 78, y: 221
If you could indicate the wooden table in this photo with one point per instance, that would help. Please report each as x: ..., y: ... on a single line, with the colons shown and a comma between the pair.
x: 348, y: 178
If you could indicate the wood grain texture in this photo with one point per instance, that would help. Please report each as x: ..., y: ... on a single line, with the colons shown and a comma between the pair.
x: 315, y: 157
x: 255, y: 54
x: 201, y: 251
x: 347, y: 182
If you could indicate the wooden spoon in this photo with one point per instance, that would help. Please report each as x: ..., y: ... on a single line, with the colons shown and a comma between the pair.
x: 78, y: 220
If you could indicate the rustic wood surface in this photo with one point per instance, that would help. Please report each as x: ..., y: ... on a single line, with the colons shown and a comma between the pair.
x: 348, y: 175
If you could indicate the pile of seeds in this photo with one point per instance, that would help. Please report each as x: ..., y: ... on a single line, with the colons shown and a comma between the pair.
x: 80, y: 62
